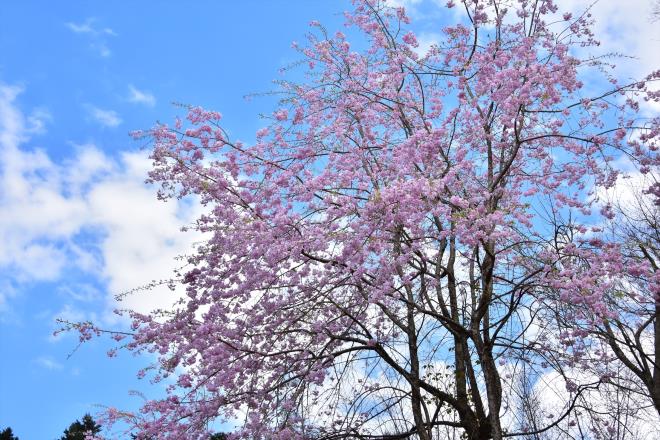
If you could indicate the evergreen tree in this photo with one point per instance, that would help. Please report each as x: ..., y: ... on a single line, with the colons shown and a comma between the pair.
x: 7, y: 434
x: 77, y: 430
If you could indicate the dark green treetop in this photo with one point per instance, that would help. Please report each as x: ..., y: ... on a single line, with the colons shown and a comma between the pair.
x: 78, y: 429
x: 7, y: 434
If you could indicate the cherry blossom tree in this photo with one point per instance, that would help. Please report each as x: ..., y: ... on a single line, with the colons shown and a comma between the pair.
x: 393, y: 248
x: 631, y: 335
x: 634, y: 335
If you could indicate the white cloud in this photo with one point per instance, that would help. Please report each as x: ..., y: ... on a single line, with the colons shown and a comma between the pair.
x: 48, y: 363
x: 42, y: 262
x: 140, y: 97
x: 26, y: 204
x: 408, y: 4
x: 107, y: 118
x: 628, y: 191
x: 82, y: 28
x: 625, y: 28
x: 553, y: 398
x: 143, y: 234
x: 98, y: 35
x: 81, y: 292
x: 38, y: 119
x: 102, y: 49
x: 7, y: 291
x: 90, y: 213
x: 87, y: 27
x: 11, y: 130
x: 420, y: 10
x: 69, y: 313
x: 426, y: 40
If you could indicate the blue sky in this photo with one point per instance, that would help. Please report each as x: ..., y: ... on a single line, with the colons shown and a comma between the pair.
x: 77, y: 225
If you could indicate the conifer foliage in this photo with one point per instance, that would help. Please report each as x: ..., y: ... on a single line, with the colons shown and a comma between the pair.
x: 82, y: 429
x: 7, y: 434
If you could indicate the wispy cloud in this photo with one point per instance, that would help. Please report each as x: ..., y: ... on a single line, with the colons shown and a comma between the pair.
x: 98, y: 35
x: 408, y: 4
x: 71, y: 312
x: 48, y: 363
x: 102, y: 49
x: 7, y: 291
x: 83, y: 28
x: 87, y: 27
x: 80, y: 292
x: 140, y: 97
x: 107, y: 118
x: 38, y: 119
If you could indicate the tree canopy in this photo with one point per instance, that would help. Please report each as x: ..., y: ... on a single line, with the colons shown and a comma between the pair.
x: 7, y: 434
x: 79, y: 429
x: 416, y: 245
